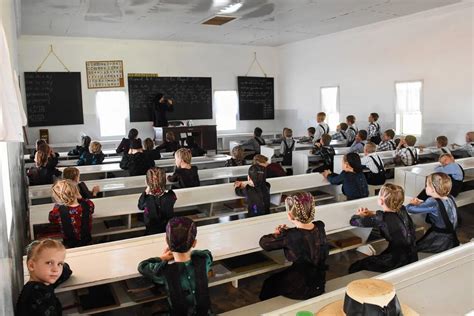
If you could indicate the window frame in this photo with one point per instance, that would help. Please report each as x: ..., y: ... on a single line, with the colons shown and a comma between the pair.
x: 338, y: 104
x: 126, y: 112
x: 396, y: 106
x: 217, y: 111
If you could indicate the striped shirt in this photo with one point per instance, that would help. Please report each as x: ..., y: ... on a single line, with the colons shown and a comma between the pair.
x: 369, y: 163
x: 373, y: 130
x: 351, y: 133
x: 341, y: 135
x: 408, y: 155
x: 386, y: 145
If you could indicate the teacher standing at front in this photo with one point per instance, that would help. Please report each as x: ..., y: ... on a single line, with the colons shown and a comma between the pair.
x: 160, y: 107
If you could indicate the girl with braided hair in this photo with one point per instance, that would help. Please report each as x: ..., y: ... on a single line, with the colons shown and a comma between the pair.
x: 305, y: 245
x: 156, y: 202
x: 256, y: 190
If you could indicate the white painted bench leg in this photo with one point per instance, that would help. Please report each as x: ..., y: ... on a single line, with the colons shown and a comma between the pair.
x: 235, y: 284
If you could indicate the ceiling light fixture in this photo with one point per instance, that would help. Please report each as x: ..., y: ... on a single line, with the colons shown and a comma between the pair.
x: 231, y: 8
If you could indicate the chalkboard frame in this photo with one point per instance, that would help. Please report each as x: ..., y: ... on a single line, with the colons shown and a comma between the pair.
x: 64, y: 106
x: 153, y: 81
x: 255, y: 110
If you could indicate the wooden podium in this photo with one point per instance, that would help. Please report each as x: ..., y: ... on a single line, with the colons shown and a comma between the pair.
x: 204, y: 135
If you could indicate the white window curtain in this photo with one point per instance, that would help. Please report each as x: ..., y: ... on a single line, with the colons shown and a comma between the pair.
x: 12, y: 113
x: 408, y: 107
x: 330, y: 105
x: 226, y: 103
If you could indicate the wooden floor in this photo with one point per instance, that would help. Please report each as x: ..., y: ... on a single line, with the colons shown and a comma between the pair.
x: 225, y: 297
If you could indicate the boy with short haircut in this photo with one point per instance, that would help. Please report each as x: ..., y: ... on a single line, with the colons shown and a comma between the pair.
x: 374, y: 128
x: 468, y: 148
x: 92, y: 157
x: 387, y: 142
x: 321, y: 128
x: 310, y: 137
x: 287, y: 147
x: 351, y: 129
x: 182, y: 270
x: 254, y: 143
x: 324, y: 150
x: 373, y: 162
x: 406, y: 152
x: 442, y: 145
x: 359, y: 142
x: 341, y: 134
x: 185, y: 174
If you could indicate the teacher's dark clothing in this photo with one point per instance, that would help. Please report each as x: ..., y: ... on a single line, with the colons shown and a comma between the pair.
x: 159, y: 113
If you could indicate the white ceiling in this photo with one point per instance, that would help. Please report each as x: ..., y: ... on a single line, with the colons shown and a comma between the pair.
x: 260, y: 22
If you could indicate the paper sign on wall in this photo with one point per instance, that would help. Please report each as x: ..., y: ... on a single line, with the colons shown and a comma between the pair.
x: 104, y: 74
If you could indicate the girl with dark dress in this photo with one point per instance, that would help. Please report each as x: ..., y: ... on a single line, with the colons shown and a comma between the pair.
x: 79, y: 150
x: 354, y: 183
x: 237, y: 157
x: 42, y: 172
x: 94, y: 156
x: 152, y: 153
x: 186, y: 175
x: 273, y: 170
x: 305, y: 245
x: 395, y: 225
x: 256, y: 190
x: 47, y: 269
x: 124, y: 145
x: 73, y: 174
x: 170, y: 144
x: 136, y: 162
x: 196, y: 151
x: 156, y: 203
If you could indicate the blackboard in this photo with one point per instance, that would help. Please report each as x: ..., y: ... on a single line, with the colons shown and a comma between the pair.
x: 53, y: 98
x: 192, y: 96
x: 256, y: 98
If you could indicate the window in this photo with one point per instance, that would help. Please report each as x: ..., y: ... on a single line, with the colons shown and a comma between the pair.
x: 408, y: 107
x: 112, y: 111
x: 330, y: 105
x: 226, y: 109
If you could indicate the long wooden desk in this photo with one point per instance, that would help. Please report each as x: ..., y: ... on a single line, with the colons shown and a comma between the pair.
x: 302, y: 158
x: 126, y: 205
x: 64, y: 156
x: 442, y: 284
x: 413, y: 178
x: 118, y: 260
x: 138, y: 182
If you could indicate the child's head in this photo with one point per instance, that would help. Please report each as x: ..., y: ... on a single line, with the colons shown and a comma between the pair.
x: 133, y: 133
x: 71, y: 173
x: 257, y: 132
x: 325, y: 140
x: 44, y: 147
x: 238, y: 153
x: 370, y: 148
x: 388, y: 135
x: 181, y: 234
x: 260, y: 160
x: 410, y: 140
x: 350, y: 119
x: 320, y: 117
x: 183, y: 155
x: 170, y: 137
x: 44, y: 260
x: 86, y: 141
x: 40, y: 142
x: 257, y: 175
x: 95, y: 148
x: 148, y: 144
x: 41, y: 158
x: 438, y: 184
x: 392, y: 196
x: 441, y: 141
x: 361, y: 135
x: 311, y: 131
x: 284, y: 131
x: 373, y: 117
x: 446, y: 159
x: 136, y: 146
x: 343, y: 126
x: 65, y: 192
x: 351, y: 162
x: 156, y: 180
x: 300, y: 207
x: 288, y: 133
x: 469, y: 137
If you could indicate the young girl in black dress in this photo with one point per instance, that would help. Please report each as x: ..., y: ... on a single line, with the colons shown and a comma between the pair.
x: 47, y: 269
x: 305, y: 245
x: 395, y: 225
x: 256, y: 190
x: 156, y: 203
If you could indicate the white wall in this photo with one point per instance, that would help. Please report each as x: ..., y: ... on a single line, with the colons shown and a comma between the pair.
x: 435, y: 46
x: 221, y: 62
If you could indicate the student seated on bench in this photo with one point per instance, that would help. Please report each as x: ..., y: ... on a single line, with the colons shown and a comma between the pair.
x: 196, y: 151
x: 450, y: 167
x: 305, y: 245
x: 326, y: 152
x: 157, y: 204
x: 42, y: 172
x: 256, y: 190
x: 73, y: 174
x: 135, y: 161
x: 441, y: 213
x: 170, y: 144
x: 149, y: 150
x: 182, y: 270
x: 354, y: 183
x: 395, y: 225
x: 273, y: 170
x: 186, y: 175
x: 93, y: 156
x: 468, y: 148
x: 237, y: 157
x: 86, y: 141
x: 373, y: 162
x: 72, y: 213
x: 387, y: 143
x: 406, y: 152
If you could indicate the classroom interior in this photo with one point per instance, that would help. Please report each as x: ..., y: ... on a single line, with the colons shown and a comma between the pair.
x: 361, y: 48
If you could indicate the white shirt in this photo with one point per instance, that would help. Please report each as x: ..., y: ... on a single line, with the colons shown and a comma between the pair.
x: 321, y: 128
x: 369, y: 163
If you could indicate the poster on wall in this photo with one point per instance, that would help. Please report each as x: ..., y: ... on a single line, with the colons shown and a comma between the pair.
x: 104, y: 74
